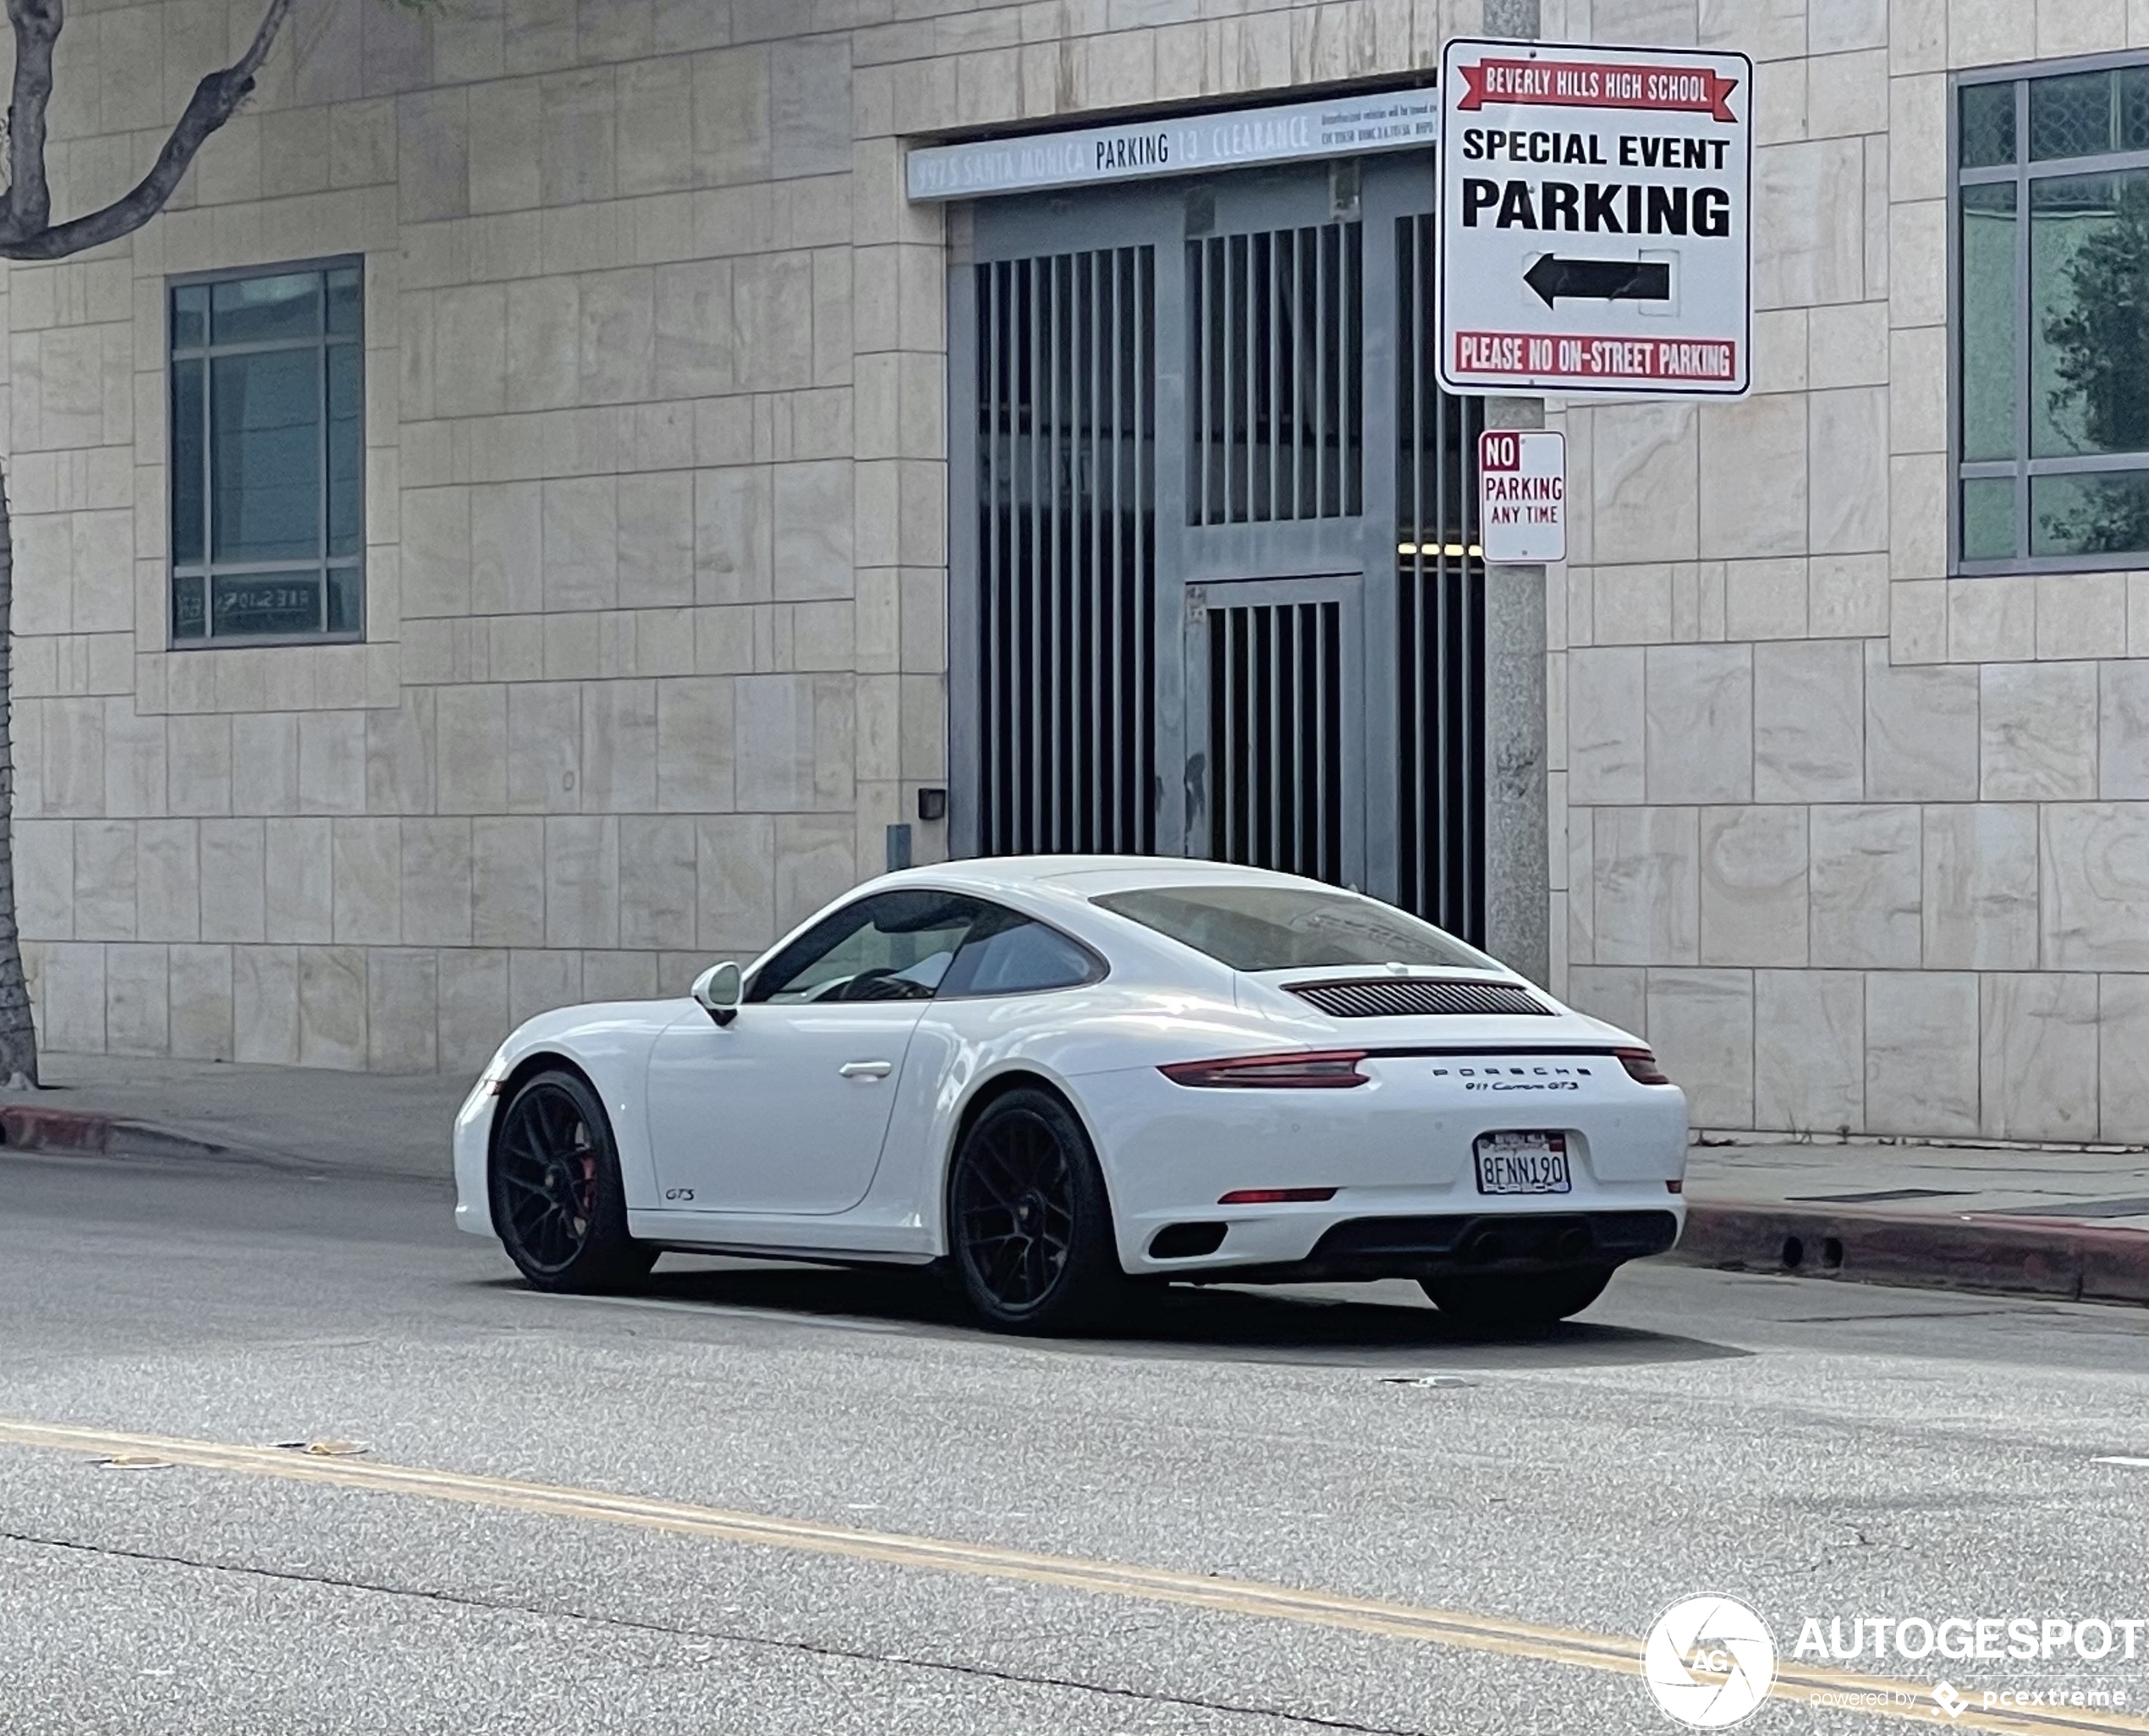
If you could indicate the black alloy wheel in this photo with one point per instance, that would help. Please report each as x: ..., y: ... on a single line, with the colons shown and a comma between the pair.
x: 1029, y: 1222
x: 557, y: 1202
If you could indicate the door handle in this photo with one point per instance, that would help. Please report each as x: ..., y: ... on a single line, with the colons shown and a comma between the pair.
x: 866, y: 1069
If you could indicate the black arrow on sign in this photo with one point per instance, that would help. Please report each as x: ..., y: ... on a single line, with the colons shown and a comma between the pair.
x: 1599, y: 279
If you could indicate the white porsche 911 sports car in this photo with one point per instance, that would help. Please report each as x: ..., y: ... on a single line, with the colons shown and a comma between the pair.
x: 1065, y: 1075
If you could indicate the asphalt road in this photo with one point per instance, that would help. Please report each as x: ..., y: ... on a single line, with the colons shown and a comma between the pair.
x: 802, y: 1500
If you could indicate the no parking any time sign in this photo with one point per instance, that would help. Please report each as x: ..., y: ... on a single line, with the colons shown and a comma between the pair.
x: 1522, y: 496
x: 1595, y: 220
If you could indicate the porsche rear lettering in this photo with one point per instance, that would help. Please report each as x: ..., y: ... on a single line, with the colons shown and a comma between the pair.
x: 1544, y: 1071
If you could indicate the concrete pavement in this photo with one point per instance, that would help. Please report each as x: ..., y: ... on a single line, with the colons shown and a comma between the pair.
x: 2072, y: 1225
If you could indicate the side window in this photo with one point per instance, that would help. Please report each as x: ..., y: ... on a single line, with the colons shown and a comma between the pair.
x: 892, y: 947
x: 1010, y: 954
x: 2051, y: 353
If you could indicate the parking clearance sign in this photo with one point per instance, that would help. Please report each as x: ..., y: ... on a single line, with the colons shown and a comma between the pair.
x: 1595, y: 220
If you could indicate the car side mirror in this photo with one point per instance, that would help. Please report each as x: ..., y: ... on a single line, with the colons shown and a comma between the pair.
x: 718, y: 990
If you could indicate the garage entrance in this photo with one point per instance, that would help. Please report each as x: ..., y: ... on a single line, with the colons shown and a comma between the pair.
x: 1216, y: 583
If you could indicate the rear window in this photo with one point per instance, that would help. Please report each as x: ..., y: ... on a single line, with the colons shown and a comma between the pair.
x: 1290, y: 928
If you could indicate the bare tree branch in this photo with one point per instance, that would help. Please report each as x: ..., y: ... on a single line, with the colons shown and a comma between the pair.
x: 37, y: 27
x: 215, y: 100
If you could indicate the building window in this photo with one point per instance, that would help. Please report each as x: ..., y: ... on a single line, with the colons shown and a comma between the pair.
x: 268, y: 538
x: 2052, y: 319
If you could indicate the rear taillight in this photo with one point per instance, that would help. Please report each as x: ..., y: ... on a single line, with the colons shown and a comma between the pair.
x: 1641, y: 1067
x: 1275, y: 1196
x: 1331, y: 1069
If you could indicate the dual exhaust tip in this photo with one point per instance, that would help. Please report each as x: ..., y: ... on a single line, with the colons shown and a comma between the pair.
x: 1491, y: 1243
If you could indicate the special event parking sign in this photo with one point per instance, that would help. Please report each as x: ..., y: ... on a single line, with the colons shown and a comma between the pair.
x: 1595, y: 232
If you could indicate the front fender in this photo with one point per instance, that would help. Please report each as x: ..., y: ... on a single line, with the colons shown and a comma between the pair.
x: 609, y: 1045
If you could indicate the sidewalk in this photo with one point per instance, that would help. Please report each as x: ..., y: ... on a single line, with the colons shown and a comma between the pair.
x: 391, y: 1123
x: 2073, y: 1225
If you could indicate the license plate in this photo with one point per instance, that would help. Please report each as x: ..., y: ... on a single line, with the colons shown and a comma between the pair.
x: 1522, y: 1163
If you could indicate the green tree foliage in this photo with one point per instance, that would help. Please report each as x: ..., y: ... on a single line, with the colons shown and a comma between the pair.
x: 2101, y: 345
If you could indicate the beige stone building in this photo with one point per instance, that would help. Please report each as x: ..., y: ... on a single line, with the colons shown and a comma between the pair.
x: 490, y: 544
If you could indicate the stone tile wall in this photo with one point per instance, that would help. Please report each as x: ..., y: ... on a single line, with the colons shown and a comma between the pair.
x: 654, y: 494
x: 655, y: 424
x: 1857, y: 845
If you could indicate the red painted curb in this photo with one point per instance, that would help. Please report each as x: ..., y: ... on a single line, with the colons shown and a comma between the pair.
x: 2010, y: 1256
x: 32, y: 1127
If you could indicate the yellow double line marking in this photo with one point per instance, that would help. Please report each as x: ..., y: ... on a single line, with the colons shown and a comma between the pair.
x: 1454, y: 1628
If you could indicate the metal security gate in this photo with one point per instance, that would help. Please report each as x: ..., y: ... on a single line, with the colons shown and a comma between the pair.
x: 1065, y: 576
x: 1440, y: 618
x: 1217, y: 588
x: 1272, y: 674
x: 1274, y: 414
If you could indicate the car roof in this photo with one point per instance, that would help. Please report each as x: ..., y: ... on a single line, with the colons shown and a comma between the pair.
x: 1060, y: 889
x: 1087, y: 876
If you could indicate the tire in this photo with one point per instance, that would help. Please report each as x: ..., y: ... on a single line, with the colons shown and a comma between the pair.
x: 1029, y: 1224
x: 557, y: 1206
x: 1499, y: 1301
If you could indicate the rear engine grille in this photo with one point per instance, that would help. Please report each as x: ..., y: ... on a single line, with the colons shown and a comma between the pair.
x: 1410, y: 996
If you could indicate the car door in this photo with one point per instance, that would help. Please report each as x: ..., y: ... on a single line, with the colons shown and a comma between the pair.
x: 784, y: 1110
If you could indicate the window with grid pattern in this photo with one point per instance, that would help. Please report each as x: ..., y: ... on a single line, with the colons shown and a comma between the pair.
x: 2051, y: 320
x: 267, y: 382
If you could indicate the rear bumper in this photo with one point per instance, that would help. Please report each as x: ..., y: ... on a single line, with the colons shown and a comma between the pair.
x: 1396, y: 1152
x: 1360, y: 1248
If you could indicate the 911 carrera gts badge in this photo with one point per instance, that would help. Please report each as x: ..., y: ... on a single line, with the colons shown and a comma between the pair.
x: 682, y: 1194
